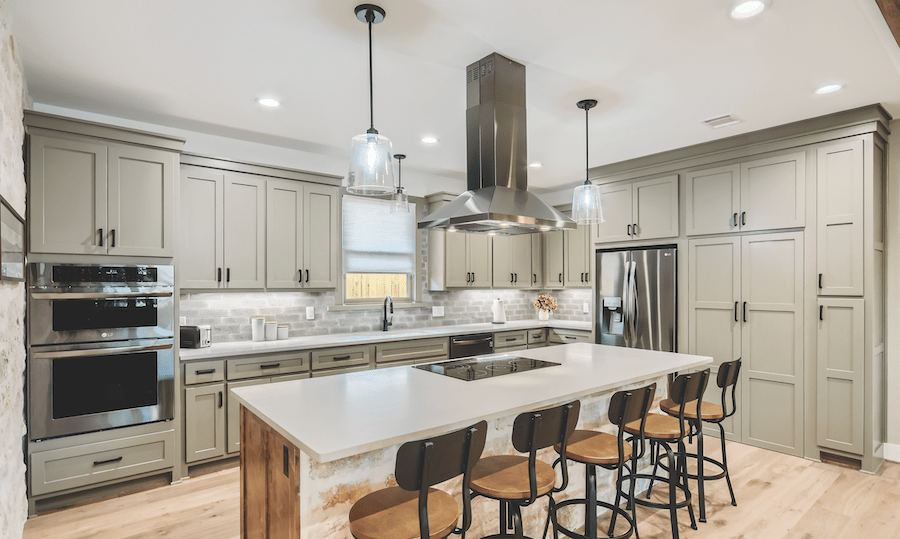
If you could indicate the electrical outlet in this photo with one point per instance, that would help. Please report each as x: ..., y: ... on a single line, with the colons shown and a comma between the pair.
x: 182, y: 320
x: 437, y: 310
x: 585, y: 308
x: 310, y: 313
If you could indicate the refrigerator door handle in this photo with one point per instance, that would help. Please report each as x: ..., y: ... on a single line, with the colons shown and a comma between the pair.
x: 634, y: 304
x: 626, y: 304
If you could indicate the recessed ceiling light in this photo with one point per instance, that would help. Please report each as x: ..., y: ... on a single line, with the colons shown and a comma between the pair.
x: 744, y: 9
x: 268, y: 102
x: 429, y: 140
x: 828, y: 88
x: 535, y: 165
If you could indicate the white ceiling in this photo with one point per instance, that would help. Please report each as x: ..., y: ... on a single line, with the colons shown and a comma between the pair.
x: 657, y: 67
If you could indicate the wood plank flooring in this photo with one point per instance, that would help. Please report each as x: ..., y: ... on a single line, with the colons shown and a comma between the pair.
x: 778, y: 496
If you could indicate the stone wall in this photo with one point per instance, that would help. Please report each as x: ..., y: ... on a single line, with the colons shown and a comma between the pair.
x: 13, y: 505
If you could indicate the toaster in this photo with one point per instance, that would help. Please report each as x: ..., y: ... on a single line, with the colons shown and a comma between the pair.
x: 195, y: 336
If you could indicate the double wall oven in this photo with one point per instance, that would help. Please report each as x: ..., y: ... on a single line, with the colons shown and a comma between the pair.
x: 100, y: 349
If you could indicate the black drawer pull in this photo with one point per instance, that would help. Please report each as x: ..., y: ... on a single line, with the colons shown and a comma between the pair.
x: 570, y: 337
x: 205, y: 371
x: 341, y: 358
x: 510, y: 339
x: 270, y: 366
x: 110, y: 461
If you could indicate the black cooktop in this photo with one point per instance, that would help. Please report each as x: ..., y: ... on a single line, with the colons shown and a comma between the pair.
x: 476, y: 368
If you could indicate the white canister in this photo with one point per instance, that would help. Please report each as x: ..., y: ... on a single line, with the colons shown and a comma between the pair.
x: 258, y: 328
x: 283, y: 330
x: 271, y: 331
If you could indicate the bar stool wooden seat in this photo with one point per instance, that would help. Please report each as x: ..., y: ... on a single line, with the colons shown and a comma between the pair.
x: 517, y: 481
x: 611, y: 452
x: 414, y: 509
x: 663, y: 430
x: 726, y: 379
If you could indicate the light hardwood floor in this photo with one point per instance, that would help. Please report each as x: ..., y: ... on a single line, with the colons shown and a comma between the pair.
x: 778, y: 496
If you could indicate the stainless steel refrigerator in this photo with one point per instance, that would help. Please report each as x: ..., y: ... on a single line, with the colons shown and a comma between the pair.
x: 635, y: 298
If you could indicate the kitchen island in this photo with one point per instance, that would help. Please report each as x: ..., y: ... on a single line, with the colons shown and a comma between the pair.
x: 310, y: 448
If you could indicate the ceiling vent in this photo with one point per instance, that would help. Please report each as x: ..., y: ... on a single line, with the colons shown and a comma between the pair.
x: 721, y: 121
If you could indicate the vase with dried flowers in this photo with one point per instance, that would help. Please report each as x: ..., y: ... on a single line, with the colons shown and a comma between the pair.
x: 544, y: 304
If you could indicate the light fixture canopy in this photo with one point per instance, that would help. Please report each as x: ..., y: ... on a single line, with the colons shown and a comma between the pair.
x: 399, y: 200
x: 587, y: 202
x: 744, y: 9
x: 268, y: 102
x: 371, y: 172
x: 829, y: 88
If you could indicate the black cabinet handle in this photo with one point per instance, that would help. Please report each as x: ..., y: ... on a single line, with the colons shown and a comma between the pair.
x: 227, y: 275
x: 634, y: 229
x: 218, y: 275
x: 735, y: 219
x: 628, y: 228
x: 221, y: 399
x: 533, y: 278
x: 205, y: 371
x: 820, y: 280
x: 821, y: 308
x: 510, y: 339
x: 307, y: 275
x: 112, y: 238
x: 735, y: 309
x: 110, y: 461
x: 743, y: 218
x: 300, y: 279
x: 270, y: 366
x: 510, y: 277
x: 569, y: 337
x: 341, y: 358
x: 517, y: 277
x: 101, y: 238
x: 473, y: 276
x: 745, y: 311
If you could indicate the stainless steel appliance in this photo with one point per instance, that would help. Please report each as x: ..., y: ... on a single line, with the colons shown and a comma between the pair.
x: 100, y: 347
x: 635, y: 298
x: 471, y: 345
x: 477, y: 368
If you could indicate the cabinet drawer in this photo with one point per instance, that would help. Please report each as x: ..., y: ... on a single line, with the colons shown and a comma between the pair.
x: 346, y: 356
x: 508, y: 339
x: 420, y: 349
x: 202, y: 372
x: 82, y: 465
x: 568, y: 336
x: 267, y: 365
x: 537, y: 336
x: 329, y: 372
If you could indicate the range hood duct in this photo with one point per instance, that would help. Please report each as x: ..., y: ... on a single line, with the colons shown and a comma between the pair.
x: 497, y: 200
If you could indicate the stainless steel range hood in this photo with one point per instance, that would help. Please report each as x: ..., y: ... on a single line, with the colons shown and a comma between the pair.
x: 497, y: 200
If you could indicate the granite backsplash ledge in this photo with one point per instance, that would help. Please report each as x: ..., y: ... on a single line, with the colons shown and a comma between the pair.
x: 229, y: 313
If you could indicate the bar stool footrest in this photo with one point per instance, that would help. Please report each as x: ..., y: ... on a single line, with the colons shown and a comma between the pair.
x: 713, y: 477
x: 606, y: 505
x: 660, y: 479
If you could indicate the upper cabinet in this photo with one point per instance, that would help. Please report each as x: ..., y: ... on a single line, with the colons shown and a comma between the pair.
x: 468, y: 260
x: 639, y: 210
x: 554, y: 253
x: 763, y: 194
x: 95, y: 197
x: 512, y: 266
x: 576, y: 260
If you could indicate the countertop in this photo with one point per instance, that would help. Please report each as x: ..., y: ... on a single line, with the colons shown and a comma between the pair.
x: 239, y: 348
x: 339, y: 416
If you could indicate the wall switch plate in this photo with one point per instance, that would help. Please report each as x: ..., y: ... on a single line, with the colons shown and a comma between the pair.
x: 182, y: 320
x: 585, y: 308
x: 310, y: 313
x: 437, y: 310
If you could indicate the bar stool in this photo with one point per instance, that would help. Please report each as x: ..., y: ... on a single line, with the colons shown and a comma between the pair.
x: 662, y: 430
x: 414, y: 509
x: 610, y: 452
x: 517, y: 481
x: 710, y: 413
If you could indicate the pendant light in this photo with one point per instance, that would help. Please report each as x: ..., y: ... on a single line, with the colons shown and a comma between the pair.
x: 399, y: 200
x: 587, y: 203
x: 371, y: 171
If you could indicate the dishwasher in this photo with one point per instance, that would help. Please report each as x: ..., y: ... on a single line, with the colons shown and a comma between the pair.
x: 471, y: 345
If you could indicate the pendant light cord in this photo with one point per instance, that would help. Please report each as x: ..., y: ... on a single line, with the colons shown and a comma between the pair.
x: 370, y: 18
x: 586, y: 146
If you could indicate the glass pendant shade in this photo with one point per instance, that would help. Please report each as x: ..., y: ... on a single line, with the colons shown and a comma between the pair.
x: 371, y: 171
x: 587, y: 204
x: 399, y: 201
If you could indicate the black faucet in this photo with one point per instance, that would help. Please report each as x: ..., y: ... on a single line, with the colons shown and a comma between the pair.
x: 384, y: 319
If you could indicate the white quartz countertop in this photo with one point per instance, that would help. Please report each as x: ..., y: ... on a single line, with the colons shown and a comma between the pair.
x: 334, y: 417
x: 239, y: 348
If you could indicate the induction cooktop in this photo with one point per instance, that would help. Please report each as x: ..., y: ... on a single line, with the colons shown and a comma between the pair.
x: 477, y: 368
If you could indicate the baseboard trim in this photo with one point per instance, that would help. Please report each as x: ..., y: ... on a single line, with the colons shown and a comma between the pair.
x: 892, y: 452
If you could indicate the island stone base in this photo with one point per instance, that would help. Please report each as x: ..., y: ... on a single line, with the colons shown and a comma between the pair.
x: 285, y: 493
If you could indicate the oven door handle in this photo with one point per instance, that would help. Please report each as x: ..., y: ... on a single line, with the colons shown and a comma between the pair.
x: 99, y: 352
x: 99, y: 295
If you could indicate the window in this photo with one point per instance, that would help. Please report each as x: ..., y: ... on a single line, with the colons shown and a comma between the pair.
x: 379, y: 251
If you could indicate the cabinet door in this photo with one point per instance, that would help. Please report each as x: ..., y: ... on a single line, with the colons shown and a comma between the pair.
x: 141, y: 205
x: 713, y: 202
x: 245, y: 221
x: 521, y: 260
x: 233, y: 413
x: 457, y: 267
x: 773, y: 192
x: 67, y: 205
x: 321, y: 235
x: 503, y: 262
x: 554, y: 253
x: 284, y: 234
x: 201, y: 228
x: 839, y: 374
x: 537, y: 260
x: 772, y: 341
x: 617, y: 208
x: 839, y: 219
x: 480, y: 260
x: 204, y: 422
x: 577, y: 265
x: 714, y: 293
x: 655, y: 210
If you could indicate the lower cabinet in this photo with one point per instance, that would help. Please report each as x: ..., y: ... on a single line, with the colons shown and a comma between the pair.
x: 568, y: 336
x: 233, y: 407
x: 537, y: 338
x: 204, y: 422
x: 839, y: 376
x: 412, y: 352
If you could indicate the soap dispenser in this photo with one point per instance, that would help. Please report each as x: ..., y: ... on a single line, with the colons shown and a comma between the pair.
x: 499, y: 311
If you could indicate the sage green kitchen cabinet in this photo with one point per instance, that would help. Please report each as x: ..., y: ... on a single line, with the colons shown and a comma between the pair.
x: 554, y: 255
x: 576, y: 260
x: 512, y: 256
x: 303, y: 236
x: 713, y: 204
x: 568, y: 336
x: 204, y: 422
x: 222, y: 230
x: 92, y: 197
x: 537, y: 260
x: 233, y: 408
x: 839, y: 218
x: 638, y: 210
x: 468, y: 260
x: 412, y: 352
